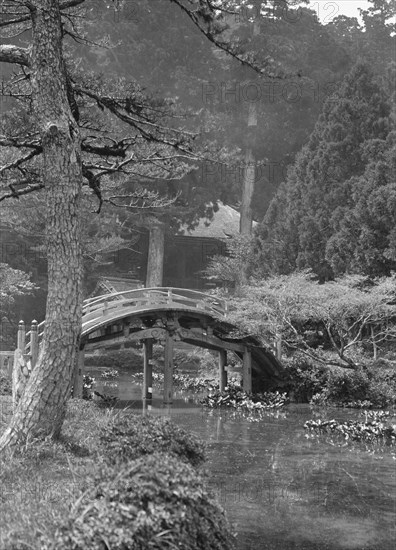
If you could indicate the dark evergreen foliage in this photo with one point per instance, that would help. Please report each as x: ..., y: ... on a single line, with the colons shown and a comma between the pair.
x: 335, y: 212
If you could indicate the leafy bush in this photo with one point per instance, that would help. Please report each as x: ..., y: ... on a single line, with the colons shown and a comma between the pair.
x: 382, y: 388
x: 321, y: 384
x: 128, y: 437
x: 363, y: 384
x: 5, y: 386
x: 154, y: 503
x: 347, y: 385
x: 305, y: 378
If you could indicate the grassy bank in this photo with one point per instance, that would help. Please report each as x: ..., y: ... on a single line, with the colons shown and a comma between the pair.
x: 121, y: 480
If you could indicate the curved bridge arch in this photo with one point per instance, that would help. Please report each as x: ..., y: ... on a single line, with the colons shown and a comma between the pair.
x: 168, y: 314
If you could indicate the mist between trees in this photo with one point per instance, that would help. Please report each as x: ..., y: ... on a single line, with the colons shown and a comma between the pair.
x: 264, y: 171
x: 19, y: 251
x: 11, y: 250
x: 234, y: 92
x: 274, y: 10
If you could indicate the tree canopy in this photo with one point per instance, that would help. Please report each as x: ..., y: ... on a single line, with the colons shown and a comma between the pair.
x: 334, y: 213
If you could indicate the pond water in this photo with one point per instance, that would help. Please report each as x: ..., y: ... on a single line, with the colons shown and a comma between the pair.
x: 281, y: 488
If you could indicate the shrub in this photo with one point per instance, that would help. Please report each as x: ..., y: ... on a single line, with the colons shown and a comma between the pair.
x: 372, y: 384
x: 321, y: 384
x: 382, y: 389
x: 128, y: 437
x: 156, y: 502
x: 347, y: 385
x: 305, y: 378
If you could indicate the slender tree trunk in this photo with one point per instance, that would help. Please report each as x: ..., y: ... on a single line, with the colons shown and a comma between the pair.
x: 155, y: 260
x: 375, y: 347
x: 246, y: 219
x: 41, y: 409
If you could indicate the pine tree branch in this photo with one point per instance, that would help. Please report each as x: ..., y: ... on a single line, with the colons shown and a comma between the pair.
x: 63, y: 6
x: 20, y: 160
x: 207, y: 25
x: 14, y: 54
x: 16, y: 193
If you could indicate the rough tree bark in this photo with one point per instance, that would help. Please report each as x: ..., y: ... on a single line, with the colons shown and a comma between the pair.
x: 155, y: 260
x: 41, y: 409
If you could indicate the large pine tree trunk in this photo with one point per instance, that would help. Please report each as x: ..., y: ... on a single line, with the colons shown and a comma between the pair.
x: 41, y: 409
x: 155, y: 260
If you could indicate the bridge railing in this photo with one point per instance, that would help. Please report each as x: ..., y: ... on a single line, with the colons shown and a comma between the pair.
x: 151, y: 298
x: 140, y: 298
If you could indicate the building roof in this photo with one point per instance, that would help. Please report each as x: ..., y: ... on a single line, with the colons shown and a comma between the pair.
x: 224, y: 223
x: 107, y: 285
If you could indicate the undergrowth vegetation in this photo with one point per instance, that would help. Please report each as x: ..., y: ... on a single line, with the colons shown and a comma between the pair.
x: 154, y: 502
x: 373, y: 384
x: 128, y: 437
x: 113, y: 478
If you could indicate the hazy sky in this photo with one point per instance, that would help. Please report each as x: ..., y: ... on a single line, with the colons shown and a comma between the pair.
x: 328, y: 9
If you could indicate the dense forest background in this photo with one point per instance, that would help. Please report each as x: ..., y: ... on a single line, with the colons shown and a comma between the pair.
x: 320, y: 134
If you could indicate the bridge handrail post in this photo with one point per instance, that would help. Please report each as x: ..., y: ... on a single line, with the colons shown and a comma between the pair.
x: 21, y: 336
x: 170, y: 296
x: 34, y: 343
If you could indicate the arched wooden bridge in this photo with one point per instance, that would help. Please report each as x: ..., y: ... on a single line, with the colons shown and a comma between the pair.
x: 168, y: 315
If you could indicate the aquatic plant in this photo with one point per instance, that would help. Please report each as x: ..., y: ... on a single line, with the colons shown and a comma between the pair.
x: 234, y: 397
x: 109, y: 374
x: 370, y: 430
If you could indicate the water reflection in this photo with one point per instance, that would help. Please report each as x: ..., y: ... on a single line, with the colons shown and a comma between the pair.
x: 283, y: 489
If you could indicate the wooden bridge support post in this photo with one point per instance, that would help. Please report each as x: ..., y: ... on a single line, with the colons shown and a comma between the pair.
x: 78, y: 381
x: 247, y: 370
x: 168, y: 370
x: 222, y: 371
x: 21, y: 336
x: 147, y: 369
x: 34, y: 343
x: 278, y: 347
